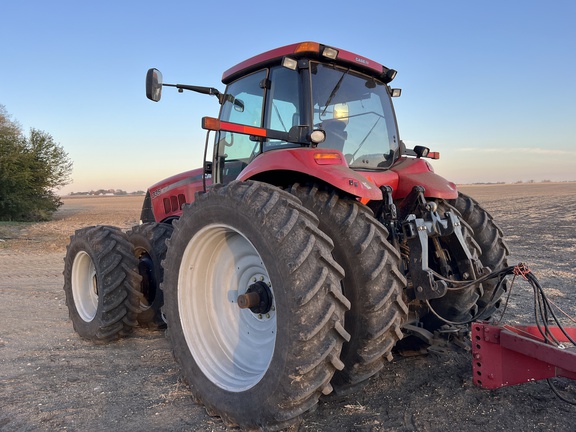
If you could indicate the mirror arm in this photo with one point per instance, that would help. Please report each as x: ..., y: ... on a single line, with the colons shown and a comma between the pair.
x: 198, y: 89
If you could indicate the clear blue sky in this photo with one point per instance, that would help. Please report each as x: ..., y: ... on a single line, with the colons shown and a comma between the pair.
x: 491, y: 85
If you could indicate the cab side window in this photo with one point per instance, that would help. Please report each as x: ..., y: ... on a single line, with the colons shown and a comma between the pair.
x: 243, y: 105
x: 282, y: 110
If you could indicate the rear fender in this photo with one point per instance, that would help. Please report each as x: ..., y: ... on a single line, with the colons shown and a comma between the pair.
x: 326, y: 165
x: 417, y: 172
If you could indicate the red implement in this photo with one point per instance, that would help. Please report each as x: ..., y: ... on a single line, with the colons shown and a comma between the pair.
x: 505, y: 355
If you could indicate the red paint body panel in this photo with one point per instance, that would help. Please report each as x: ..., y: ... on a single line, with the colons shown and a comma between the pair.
x: 177, y: 189
x: 258, y: 59
x: 356, y: 59
x: 402, y: 177
x: 301, y: 160
x: 382, y: 178
x: 417, y: 172
x: 504, y: 356
x: 278, y: 53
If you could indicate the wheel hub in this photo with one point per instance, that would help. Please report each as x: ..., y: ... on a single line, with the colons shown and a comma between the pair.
x: 146, y: 270
x: 258, y: 298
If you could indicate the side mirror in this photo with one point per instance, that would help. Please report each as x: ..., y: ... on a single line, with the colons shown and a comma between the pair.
x: 421, y: 151
x: 238, y: 104
x: 154, y: 85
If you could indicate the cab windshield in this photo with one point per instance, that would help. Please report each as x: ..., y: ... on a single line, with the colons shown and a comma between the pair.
x: 356, y: 113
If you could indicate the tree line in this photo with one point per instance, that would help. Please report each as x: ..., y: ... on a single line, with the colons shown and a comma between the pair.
x: 115, y: 192
x: 32, y: 168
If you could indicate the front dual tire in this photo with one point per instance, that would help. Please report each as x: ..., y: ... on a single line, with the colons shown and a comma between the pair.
x: 101, y: 283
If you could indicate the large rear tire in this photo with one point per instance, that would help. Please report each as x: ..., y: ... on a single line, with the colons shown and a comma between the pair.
x: 101, y: 283
x: 263, y: 366
x: 373, y: 283
x: 495, y: 252
x: 149, y: 241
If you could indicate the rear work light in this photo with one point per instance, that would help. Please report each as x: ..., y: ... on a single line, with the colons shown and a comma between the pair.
x: 289, y: 63
x: 330, y: 53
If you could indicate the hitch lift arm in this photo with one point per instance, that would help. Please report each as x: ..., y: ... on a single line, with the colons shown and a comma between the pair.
x: 430, y: 225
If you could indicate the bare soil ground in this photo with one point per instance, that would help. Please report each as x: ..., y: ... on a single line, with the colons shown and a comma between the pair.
x: 50, y: 379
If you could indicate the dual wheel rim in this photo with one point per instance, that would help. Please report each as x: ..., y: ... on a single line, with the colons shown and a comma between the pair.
x: 232, y: 344
x: 84, y: 286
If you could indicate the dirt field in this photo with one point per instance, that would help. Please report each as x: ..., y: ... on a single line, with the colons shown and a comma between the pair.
x: 50, y: 379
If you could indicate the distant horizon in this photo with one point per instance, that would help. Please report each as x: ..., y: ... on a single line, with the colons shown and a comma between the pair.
x: 141, y: 192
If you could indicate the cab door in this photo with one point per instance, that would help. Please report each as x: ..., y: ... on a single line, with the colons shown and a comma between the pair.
x: 244, y: 104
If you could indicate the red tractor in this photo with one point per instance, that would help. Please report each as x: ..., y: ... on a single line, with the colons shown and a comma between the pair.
x: 308, y: 245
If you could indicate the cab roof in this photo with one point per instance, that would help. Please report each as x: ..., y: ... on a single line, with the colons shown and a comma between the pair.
x: 313, y: 50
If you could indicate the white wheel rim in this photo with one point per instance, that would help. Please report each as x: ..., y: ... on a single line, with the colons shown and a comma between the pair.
x: 84, y: 287
x: 233, y: 347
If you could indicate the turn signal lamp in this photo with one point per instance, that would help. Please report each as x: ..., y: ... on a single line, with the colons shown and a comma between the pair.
x: 210, y: 123
x: 328, y: 158
x: 308, y: 47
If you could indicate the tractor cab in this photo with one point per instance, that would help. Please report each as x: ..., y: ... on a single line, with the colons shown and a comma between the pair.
x: 303, y: 95
x: 314, y: 100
